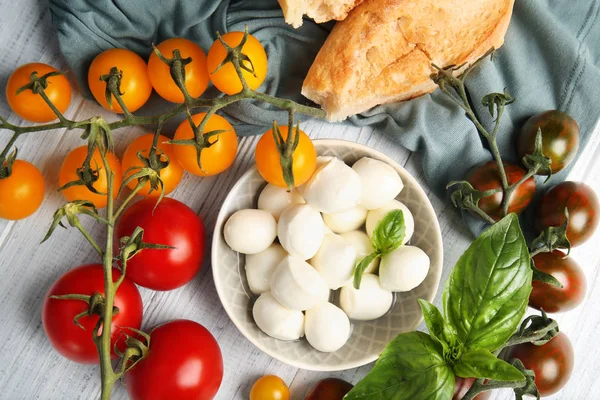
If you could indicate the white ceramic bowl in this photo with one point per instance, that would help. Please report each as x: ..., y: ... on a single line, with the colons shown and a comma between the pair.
x: 368, y: 338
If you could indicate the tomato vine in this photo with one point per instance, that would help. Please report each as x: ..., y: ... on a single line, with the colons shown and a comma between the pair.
x: 98, y: 134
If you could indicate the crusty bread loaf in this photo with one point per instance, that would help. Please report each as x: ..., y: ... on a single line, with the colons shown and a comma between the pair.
x: 319, y: 10
x: 383, y: 51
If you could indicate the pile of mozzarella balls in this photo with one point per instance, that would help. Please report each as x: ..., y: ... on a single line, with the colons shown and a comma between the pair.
x: 324, y: 229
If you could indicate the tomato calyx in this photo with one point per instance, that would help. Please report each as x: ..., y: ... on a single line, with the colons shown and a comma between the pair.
x: 536, y: 329
x: 552, y: 238
x: 7, y: 164
x: 71, y: 210
x: 177, y: 69
x: 136, y: 350
x: 239, y: 60
x: 132, y: 245
x: 466, y: 197
x: 201, y: 139
x: 113, y: 88
x: 285, y: 148
x: 537, y: 162
x: 97, y: 306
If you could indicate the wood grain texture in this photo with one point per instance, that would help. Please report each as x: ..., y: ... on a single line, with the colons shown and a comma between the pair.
x: 31, y: 369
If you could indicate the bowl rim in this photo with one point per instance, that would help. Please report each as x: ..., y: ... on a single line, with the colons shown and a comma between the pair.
x: 220, y: 221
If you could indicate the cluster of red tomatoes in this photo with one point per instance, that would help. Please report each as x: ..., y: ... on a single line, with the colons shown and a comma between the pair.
x: 173, y: 346
x: 552, y: 362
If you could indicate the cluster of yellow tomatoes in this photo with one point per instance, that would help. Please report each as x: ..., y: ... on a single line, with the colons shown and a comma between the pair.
x: 22, y: 192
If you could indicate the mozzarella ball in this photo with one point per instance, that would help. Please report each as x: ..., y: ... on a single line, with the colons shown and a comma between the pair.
x: 277, y: 321
x: 346, y: 221
x: 250, y: 231
x: 369, y: 302
x: 260, y: 267
x: 374, y: 216
x: 380, y: 182
x: 320, y: 161
x: 275, y: 199
x: 301, y: 230
x: 403, y: 269
x: 333, y: 188
x: 297, y: 285
x: 327, y: 327
x: 335, y: 261
x: 363, y: 246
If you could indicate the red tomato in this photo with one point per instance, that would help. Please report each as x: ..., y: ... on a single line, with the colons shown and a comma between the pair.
x: 171, y: 223
x: 462, y: 386
x: 184, y: 362
x: 552, y: 362
x: 582, y: 203
x: 486, y: 177
x: 329, y: 389
x: 569, y: 274
x: 72, y: 341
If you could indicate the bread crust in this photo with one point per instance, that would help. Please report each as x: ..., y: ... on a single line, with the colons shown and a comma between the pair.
x: 319, y: 10
x: 383, y: 51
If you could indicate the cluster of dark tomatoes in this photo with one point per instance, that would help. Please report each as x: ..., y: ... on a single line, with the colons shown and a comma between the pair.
x: 552, y: 362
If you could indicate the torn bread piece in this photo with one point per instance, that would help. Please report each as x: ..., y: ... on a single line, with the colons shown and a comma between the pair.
x: 319, y: 10
x: 383, y: 51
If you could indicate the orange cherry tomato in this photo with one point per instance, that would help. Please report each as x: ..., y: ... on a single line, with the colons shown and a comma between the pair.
x: 226, y: 79
x: 171, y: 175
x: 68, y: 173
x: 22, y: 192
x: 269, y: 164
x: 216, y: 158
x: 196, y: 73
x: 269, y: 387
x: 134, y: 83
x: 31, y: 106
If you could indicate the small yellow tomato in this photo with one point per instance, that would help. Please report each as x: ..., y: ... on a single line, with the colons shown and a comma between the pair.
x: 226, y: 78
x: 269, y: 387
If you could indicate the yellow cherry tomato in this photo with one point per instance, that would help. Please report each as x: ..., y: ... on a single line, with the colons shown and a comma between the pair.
x: 31, y: 106
x: 226, y: 79
x: 22, y: 192
x: 269, y: 387
x: 268, y: 160
x: 171, y: 175
x: 135, y: 85
x: 196, y: 73
x: 68, y: 173
x: 216, y: 158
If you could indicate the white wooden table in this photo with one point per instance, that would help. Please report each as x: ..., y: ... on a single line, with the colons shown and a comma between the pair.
x: 31, y: 369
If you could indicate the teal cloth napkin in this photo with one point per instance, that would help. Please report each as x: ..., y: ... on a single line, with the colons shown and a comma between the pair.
x: 551, y: 60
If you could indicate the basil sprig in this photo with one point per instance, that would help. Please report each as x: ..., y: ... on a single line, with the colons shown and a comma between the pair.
x: 484, y: 301
x: 387, y: 237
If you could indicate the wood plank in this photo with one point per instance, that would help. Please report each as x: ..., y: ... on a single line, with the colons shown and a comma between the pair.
x: 31, y: 369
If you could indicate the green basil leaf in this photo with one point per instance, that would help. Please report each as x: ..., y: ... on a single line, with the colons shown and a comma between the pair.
x: 410, y: 367
x: 487, y: 292
x: 360, y: 268
x: 439, y: 329
x: 483, y: 364
x: 389, y: 232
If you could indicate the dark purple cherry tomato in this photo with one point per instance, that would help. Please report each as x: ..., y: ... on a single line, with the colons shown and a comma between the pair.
x: 329, y: 389
x: 582, y: 203
x: 552, y: 362
x: 487, y: 176
x: 560, y: 137
x: 568, y: 273
x: 462, y: 386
